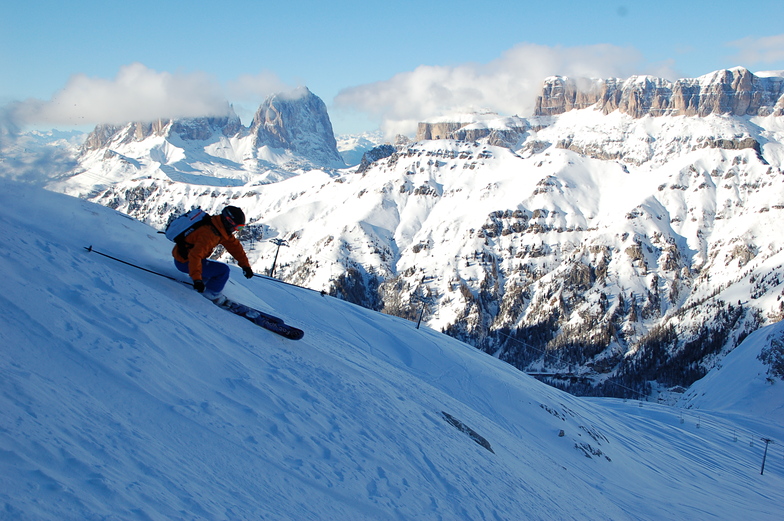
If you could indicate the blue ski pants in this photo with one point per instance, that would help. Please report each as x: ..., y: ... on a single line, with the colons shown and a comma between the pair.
x: 214, y: 274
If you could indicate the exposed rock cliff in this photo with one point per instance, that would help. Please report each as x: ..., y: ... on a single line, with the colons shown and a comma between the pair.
x: 498, y: 131
x: 736, y: 92
x: 189, y: 129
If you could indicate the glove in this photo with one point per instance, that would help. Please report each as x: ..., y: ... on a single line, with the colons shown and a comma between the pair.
x: 198, y: 285
x: 247, y: 272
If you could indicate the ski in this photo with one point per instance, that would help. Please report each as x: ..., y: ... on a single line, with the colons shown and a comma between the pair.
x: 265, y: 320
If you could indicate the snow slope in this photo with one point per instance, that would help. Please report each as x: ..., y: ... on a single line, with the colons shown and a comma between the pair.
x: 129, y: 396
x: 741, y: 382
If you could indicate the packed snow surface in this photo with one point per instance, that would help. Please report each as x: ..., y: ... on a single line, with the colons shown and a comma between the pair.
x: 126, y: 395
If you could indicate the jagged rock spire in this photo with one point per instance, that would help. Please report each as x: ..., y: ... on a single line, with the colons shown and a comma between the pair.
x: 297, y: 121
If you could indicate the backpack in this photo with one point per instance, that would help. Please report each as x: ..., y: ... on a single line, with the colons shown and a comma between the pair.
x: 182, y: 226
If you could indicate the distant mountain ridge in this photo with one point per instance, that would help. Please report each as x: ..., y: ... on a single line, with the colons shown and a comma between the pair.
x: 189, y: 129
x: 736, y: 92
x: 494, y: 129
x: 290, y: 133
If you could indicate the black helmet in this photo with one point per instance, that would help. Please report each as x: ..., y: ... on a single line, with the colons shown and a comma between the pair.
x: 234, y: 217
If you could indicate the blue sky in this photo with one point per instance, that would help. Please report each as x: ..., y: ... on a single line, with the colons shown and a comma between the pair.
x: 373, y: 63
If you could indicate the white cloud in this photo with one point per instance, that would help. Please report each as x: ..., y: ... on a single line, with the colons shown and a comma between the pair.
x: 255, y: 88
x: 508, y: 85
x: 766, y: 49
x: 248, y: 91
x: 137, y: 93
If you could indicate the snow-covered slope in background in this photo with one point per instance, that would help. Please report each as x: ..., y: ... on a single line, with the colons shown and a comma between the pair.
x: 742, y: 382
x: 352, y: 147
x: 129, y: 396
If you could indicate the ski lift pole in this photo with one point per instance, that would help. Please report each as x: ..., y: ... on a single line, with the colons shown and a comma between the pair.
x: 425, y: 301
x: 765, y: 454
x: 421, y: 312
x: 279, y: 243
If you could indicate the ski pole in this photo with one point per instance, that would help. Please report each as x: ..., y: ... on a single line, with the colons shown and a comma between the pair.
x: 92, y: 250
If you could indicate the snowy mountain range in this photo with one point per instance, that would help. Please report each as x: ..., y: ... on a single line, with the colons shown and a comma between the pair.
x: 290, y: 133
x: 619, y: 242
x: 126, y: 395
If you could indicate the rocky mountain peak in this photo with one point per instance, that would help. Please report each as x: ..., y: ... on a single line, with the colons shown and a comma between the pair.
x: 297, y: 121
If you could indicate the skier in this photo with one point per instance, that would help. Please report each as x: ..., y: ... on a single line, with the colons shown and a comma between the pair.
x: 191, y: 255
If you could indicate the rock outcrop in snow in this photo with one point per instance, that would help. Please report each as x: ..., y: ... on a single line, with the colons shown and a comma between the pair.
x: 493, y: 129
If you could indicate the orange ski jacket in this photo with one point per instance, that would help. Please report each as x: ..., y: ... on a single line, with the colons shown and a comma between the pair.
x: 200, y: 243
